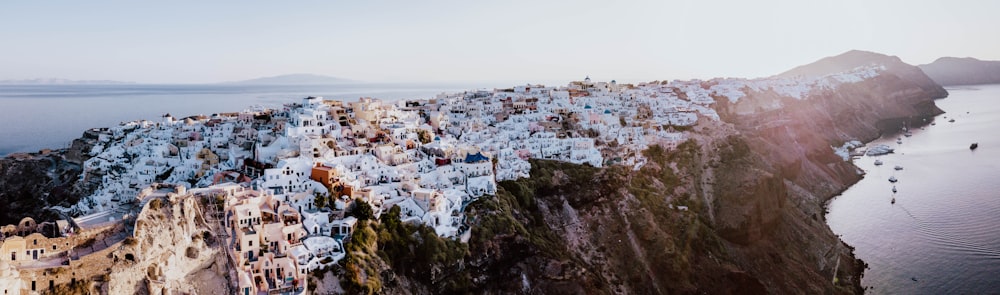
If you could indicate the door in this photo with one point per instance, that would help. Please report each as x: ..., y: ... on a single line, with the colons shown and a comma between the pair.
x: 34, y: 255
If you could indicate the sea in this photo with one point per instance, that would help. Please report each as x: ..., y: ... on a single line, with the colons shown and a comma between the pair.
x: 35, y: 117
x: 942, y: 235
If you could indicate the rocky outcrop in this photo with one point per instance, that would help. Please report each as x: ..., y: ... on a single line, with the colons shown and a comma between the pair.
x: 173, y: 249
x: 739, y: 209
x: 32, y: 182
x: 951, y: 71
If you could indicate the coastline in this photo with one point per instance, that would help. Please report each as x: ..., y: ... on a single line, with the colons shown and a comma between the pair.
x: 860, y: 266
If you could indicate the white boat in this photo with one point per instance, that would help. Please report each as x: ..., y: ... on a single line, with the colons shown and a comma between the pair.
x: 879, y: 150
x: 951, y: 121
x: 907, y: 134
x: 893, y: 179
x: 899, y: 142
x: 898, y: 167
x: 878, y: 162
x: 894, y: 188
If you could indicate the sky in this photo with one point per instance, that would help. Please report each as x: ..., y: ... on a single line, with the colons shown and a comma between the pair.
x: 470, y: 41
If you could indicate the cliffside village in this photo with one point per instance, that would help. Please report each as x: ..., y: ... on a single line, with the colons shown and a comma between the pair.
x: 288, y: 177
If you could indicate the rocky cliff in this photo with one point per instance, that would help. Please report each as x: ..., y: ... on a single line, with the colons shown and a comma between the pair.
x: 950, y: 71
x: 173, y: 248
x: 738, y: 209
x: 31, y: 182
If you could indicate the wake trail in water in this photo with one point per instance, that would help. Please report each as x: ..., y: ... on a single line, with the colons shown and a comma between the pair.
x: 950, y: 241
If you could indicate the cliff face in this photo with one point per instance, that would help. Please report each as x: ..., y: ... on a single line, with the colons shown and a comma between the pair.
x: 29, y: 183
x: 173, y: 248
x: 950, y: 71
x: 736, y: 210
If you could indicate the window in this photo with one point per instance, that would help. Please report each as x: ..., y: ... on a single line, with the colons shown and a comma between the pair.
x: 53, y: 247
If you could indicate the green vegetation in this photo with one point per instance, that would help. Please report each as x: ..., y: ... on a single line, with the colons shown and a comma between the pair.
x: 414, y: 250
x: 425, y: 136
x: 89, y: 242
x: 733, y: 150
x: 362, y: 210
x: 163, y: 176
x: 220, y: 202
x: 320, y: 201
x: 512, y: 225
x: 77, y: 287
x: 156, y: 203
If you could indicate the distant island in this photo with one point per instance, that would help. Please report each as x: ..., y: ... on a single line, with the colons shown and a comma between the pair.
x: 952, y: 71
x: 57, y: 81
x: 294, y: 79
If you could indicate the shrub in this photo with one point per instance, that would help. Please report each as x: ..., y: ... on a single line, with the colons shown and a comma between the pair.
x: 89, y: 242
x: 362, y: 210
x: 156, y: 204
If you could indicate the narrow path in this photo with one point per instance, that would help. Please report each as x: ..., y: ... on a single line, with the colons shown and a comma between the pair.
x: 835, y: 269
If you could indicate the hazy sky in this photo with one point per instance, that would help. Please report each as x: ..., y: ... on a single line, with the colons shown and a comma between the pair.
x: 522, y: 41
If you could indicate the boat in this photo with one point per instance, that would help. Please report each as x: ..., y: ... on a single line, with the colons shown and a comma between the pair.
x: 879, y: 150
x: 898, y: 167
x: 933, y: 123
x: 899, y: 142
x: 893, y: 200
x: 974, y: 145
x: 907, y: 134
x: 893, y: 179
x: 951, y: 121
x: 878, y: 162
x: 894, y: 189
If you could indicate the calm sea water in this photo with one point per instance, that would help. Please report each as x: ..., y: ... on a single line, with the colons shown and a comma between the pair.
x: 34, y: 117
x: 942, y: 236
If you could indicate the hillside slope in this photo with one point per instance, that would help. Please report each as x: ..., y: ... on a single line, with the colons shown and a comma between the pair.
x: 951, y: 71
x: 737, y: 209
x: 858, y: 58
